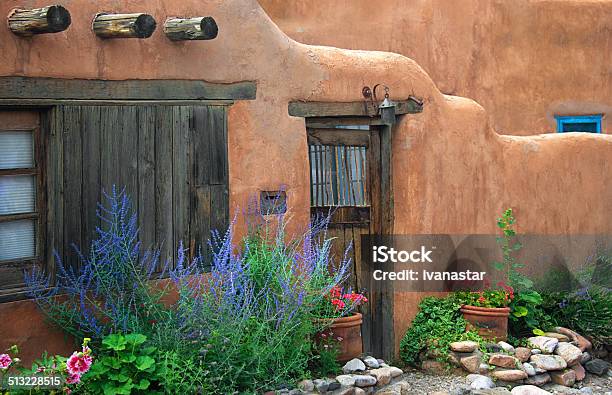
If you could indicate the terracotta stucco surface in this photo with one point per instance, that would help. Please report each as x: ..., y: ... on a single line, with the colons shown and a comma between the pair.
x: 451, y: 171
x: 524, y: 61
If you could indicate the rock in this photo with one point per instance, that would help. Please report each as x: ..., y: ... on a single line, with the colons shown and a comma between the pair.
x: 548, y: 362
x: 585, y: 357
x: 503, y: 360
x: 464, y: 346
x: 546, y: 344
x: 383, y: 375
x: 333, y: 385
x: 346, y: 379
x: 343, y: 390
x: 528, y: 390
x: 597, y: 366
x: 480, y: 382
x: 395, y: 371
x: 306, y: 385
x: 538, y: 379
x: 506, y: 347
x: 580, y: 372
x: 380, y: 361
x: 295, y: 391
x: 400, y: 388
x: 530, y: 370
x: 471, y: 363
x: 492, y: 391
x: 509, y: 375
x: 536, y: 351
x: 559, y: 336
x: 483, y: 368
x: 560, y: 389
x: 569, y: 352
x: 359, y: 391
x: 565, y: 377
x: 321, y: 385
x: 600, y: 353
x: 586, y: 390
x: 582, y: 343
x: 361, y: 380
x: 354, y: 365
x: 371, y: 362
x: 434, y: 367
x: 522, y: 354
x: 492, y: 347
x: 440, y: 393
x: 460, y: 390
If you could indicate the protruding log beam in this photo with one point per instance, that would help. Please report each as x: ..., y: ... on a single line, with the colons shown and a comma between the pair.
x: 198, y: 28
x: 124, y: 25
x: 50, y: 19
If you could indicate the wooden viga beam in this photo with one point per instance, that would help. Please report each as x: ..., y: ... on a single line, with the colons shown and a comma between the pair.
x: 50, y: 19
x: 197, y: 28
x: 124, y: 25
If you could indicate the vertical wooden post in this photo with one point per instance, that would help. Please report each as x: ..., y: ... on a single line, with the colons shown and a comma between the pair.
x: 50, y: 19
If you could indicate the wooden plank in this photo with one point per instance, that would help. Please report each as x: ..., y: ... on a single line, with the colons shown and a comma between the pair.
x: 181, y: 175
x: 146, y: 175
x: 354, y: 215
x: 164, y: 230
x: 200, y: 221
x: 126, y: 140
x: 217, y: 132
x: 91, y: 120
x: 201, y: 146
x: 81, y: 89
x: 342, y: 137
x: 219, y: 208
x: 55, y: 187
x: 37, y: 103
x: 347, y: 109
x: 331, y: 122
x: 73, y: 178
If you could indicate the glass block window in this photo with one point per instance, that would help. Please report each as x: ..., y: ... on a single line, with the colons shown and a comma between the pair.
x: 579, y: 123
x: 19, y: 214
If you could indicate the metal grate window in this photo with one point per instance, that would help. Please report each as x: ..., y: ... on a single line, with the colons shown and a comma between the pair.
x: 338, y: 175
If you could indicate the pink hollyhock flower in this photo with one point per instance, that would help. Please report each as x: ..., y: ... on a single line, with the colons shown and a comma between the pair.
x: 78, y: 363
x: 73, y: 378
x: 5, y: 361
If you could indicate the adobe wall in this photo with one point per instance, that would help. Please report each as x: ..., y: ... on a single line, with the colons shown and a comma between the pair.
x: 523, y: 61
x: 451, y: 172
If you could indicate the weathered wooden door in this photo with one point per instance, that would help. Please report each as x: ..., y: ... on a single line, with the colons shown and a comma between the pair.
x: 345, y: 182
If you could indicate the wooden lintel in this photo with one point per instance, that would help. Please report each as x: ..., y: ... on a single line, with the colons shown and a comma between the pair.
x: 198, y: 28
x: 137, y: 25
x: 339, y: 137
x: 349, y: 109
x: 81, y: 89
x: 50, y: 19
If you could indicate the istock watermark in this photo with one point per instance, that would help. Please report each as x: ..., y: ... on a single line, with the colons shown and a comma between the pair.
x: 443, y: 262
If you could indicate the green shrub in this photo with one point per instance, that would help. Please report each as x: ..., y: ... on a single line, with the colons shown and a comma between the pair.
x: 437, y: 324
x: 124, y: 365
x: 588, y: 311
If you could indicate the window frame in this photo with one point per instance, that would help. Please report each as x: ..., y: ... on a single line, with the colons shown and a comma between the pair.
x: 39, y: 213
x: 564, y: 119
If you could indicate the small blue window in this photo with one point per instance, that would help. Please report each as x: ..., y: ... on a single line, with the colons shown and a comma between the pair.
x: 579, y: 123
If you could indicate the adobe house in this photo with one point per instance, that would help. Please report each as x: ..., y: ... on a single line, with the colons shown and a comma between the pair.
x: 194, y: 128
x: 526, y: 62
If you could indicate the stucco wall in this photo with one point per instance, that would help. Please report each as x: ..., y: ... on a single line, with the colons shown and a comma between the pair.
x: 451, y: 171
x: 524, y: 61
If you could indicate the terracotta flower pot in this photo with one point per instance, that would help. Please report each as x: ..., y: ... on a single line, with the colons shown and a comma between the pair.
x: 349, y: 329
x: 490, y: 322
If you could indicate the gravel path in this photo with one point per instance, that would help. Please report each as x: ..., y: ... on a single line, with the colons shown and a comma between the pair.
x: 421, y: 383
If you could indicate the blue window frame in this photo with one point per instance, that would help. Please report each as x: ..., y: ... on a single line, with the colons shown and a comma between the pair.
x: 579, y: 123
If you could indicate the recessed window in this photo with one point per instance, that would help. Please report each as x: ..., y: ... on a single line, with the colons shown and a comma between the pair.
x: 19, y: 211
x: 579, y: 123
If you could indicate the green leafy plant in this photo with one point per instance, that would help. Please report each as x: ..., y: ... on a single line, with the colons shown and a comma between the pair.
x: 325, y: 352
x: 126, y: 365
x: 437, y: 324
x: 527, y: 316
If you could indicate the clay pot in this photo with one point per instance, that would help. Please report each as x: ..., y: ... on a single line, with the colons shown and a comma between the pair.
x: 490, y: 322
x: 349, y: 329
